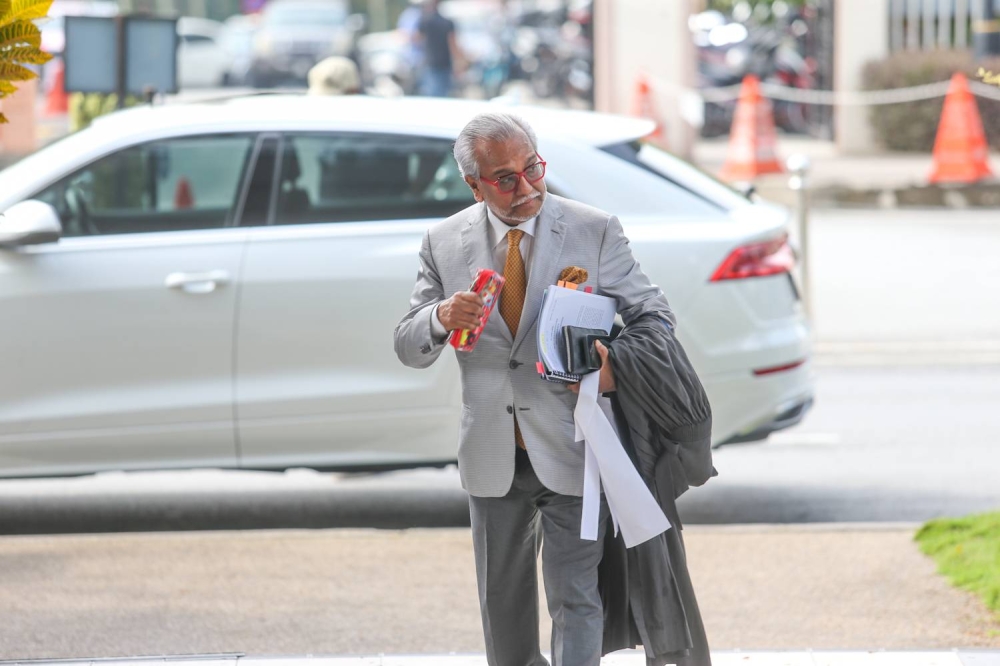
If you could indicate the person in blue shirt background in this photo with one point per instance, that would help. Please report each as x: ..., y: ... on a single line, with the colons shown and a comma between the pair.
x: 440, y: 49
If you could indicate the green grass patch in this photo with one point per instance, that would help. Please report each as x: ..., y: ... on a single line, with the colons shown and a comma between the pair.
x: 967, y: 552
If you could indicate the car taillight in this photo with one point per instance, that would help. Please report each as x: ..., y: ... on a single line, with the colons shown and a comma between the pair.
x: 757, y: 260
x: 760, y: 372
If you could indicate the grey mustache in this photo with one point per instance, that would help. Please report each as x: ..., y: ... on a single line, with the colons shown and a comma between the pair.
x: 526, y: 199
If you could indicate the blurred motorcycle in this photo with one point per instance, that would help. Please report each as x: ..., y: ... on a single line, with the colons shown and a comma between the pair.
x: 385, y: 64
x: 728, y: 51
x: 556, y: 60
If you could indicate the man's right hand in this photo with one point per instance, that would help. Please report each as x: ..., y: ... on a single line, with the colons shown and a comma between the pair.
x: 461, y: 311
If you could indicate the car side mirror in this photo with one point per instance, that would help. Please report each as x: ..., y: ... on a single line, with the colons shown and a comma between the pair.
x: 29, y: 223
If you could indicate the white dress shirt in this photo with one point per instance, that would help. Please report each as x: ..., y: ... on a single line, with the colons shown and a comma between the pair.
x: 498, y: 241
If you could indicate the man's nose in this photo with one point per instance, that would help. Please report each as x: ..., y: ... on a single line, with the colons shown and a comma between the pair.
x: 524, y: 188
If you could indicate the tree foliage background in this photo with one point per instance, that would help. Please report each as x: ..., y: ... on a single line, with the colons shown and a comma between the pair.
x: 20, y: 42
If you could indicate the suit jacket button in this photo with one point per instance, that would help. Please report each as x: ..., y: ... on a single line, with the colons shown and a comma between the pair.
x: 510, y: 409
x: 514, y: 365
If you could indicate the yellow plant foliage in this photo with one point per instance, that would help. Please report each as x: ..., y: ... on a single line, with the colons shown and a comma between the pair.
x: 989, y: 77
x: 20, y: 42
x: 29, y: 10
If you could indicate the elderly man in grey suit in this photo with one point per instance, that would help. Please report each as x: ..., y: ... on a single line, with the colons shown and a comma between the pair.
x: 517, y: 453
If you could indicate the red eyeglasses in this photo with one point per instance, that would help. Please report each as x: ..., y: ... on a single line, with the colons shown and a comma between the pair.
x: 508, y: 184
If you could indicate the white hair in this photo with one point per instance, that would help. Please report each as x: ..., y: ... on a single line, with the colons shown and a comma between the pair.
x: 489, y: 126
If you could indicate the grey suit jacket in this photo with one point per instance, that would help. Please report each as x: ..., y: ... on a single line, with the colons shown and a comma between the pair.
x: 499, y: 378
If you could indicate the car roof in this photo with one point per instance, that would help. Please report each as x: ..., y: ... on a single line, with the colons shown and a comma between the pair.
x: 417, y: 115
x: 300, y: 113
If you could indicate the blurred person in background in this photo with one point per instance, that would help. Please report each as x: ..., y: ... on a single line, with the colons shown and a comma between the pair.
x: 335, y: 75
x: 441, y: 54
x: 409, y: 25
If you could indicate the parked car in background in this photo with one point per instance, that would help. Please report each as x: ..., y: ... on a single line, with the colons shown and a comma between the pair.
x: 237, y: 37
x: 217, y: 284
x: 203, y: 61
x: 296, y: 34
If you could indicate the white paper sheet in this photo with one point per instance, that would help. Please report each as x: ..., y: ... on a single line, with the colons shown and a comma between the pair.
x: 569, y: 307
x: 634, y: 510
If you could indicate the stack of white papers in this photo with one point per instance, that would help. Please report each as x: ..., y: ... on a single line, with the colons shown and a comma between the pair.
x: 563, y: 307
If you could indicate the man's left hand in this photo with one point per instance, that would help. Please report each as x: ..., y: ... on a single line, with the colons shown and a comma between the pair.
x: 607, y: 381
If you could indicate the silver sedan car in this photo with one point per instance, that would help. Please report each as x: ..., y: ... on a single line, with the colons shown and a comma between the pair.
x: 217, y: 284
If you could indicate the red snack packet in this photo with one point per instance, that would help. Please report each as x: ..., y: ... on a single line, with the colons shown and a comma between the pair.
x: 488, y: 285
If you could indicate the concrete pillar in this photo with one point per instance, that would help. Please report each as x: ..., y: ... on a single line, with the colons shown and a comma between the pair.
x: 651, y: 38
x: 861, y: 33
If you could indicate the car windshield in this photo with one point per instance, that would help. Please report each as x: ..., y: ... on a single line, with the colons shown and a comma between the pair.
x: 17, y: 175
x: 305, y: 14
x: 635, y: 179
x: 676, y: 170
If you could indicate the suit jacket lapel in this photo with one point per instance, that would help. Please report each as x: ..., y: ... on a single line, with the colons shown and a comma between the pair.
x: 479, y: 254
x: 550, y: 233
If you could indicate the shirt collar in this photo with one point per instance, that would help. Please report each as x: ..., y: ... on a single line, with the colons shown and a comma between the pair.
x: 499, y: 229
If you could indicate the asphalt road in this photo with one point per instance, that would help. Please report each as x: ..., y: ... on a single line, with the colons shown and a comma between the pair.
x: 907, y: 312
x: 882, y: 444
x: 926, y: 277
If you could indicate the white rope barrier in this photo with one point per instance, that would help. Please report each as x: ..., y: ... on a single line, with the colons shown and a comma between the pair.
x: 835, y: 97
x: 984, y: 90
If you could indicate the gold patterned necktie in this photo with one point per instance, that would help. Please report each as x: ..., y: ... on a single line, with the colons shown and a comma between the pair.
x: 512, y: 297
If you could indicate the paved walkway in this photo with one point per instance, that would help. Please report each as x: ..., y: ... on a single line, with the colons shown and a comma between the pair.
x: 822, y: 587
x: 828, y: 169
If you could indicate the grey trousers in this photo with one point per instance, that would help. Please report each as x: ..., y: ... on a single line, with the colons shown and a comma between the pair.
x: 507, y: 533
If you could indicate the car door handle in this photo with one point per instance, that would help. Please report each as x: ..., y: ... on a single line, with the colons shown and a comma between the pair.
x: 197, y: 283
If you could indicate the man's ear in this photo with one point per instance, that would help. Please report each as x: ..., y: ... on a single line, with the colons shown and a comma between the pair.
x: 474, y: 186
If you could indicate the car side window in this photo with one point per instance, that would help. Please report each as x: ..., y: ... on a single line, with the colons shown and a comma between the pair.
x: 170, y: 185
x: 362, y: 177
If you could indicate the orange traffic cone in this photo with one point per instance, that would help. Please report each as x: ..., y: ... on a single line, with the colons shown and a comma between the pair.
x: 960, y: 147
x: 753, y: 139
x: 56, y: 99
x: 643, y: 107
x: 183, y: 196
